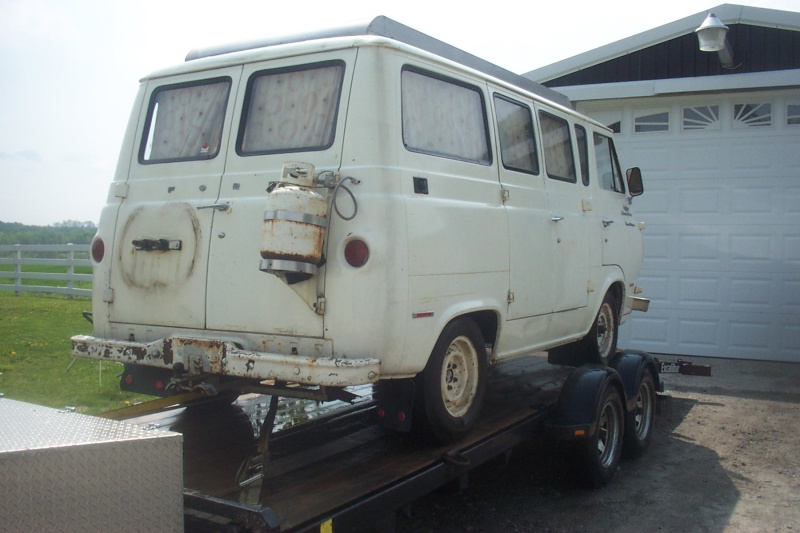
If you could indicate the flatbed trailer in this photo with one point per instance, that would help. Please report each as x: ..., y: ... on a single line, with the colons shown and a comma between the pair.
x: 345, y: 472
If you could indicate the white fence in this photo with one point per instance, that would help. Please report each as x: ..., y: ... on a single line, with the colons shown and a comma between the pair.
x: 53, y: 263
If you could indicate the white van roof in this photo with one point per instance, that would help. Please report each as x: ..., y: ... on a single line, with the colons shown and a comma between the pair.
x: 386, y: 27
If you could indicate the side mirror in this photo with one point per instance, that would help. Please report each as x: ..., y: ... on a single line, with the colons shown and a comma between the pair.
x: 635, y: 186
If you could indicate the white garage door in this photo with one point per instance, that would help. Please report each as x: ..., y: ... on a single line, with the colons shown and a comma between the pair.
x: 722, y: 207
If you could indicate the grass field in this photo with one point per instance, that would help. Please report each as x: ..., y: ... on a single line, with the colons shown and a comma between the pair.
x: 35, y: 331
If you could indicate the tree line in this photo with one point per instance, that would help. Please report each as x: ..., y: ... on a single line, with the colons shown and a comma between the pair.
x: 69, y: 231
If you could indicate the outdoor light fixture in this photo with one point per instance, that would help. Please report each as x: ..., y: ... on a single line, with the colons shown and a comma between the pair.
x: 711, y: 35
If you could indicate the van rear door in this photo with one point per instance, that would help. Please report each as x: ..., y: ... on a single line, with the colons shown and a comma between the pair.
x: 292, y: 111
x: 164, y: 223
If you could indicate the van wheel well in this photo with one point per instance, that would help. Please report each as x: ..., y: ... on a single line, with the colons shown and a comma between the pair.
x: 487, y: 323
x: 618, y: 291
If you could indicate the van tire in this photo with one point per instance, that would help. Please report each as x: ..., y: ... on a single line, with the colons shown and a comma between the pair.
x: 453, y: 384
x: 600, y: 344
x: 599, y: 455
x: 640, y: 421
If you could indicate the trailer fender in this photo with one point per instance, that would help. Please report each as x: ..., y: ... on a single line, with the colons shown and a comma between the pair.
x: 631, y: 366
x: 575, y: 414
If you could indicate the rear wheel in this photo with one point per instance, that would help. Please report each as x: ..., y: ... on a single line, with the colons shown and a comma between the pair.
x: 453, y: 383
x: 639, y: 422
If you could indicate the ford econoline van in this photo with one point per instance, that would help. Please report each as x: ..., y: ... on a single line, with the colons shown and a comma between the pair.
x: 364, y: 205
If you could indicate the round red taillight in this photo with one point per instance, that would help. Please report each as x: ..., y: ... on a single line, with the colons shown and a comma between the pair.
x: 128, y: 379
x: 356, y: 253
x: 98, y: 249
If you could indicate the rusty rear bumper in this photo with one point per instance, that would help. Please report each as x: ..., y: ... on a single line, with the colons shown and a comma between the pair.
x: 219, y: 357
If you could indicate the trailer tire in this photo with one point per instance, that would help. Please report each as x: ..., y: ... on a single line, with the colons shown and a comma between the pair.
x: 599, y: 455
x: 453, y: 383
x: 640, y: 421
x: 600, y: 343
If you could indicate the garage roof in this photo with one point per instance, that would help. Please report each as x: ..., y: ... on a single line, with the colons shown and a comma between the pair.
x: 763, y: 40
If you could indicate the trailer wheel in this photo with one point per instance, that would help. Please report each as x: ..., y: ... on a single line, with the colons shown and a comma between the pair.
x: 599, y: 454
x: 601, y: 341
x: 639, y: 422
x: 453, y: 383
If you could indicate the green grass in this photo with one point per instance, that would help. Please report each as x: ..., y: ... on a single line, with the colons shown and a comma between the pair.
x: 35, y: 331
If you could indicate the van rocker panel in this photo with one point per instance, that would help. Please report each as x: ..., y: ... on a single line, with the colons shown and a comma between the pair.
x: 221, y: 357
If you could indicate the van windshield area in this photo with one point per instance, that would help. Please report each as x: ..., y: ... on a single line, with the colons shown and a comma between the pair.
x: 291, y: 110
x: 184, y: 121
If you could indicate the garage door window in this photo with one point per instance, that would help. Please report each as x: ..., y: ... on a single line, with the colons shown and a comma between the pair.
x: 793, y: 114
x: 701, y: 118
x: 752, y: 115
x: 651, y: 122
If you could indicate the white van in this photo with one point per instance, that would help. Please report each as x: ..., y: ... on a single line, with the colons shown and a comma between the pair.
x: 352, y: 206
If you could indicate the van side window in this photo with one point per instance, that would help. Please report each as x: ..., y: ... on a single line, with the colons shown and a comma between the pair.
x: 557, y: 142
x: 444, y: 117
x: 184, y: 121
x: 583, y: 152
x: 607, y: 164
x: 517, y: 140
x: 291, y: 109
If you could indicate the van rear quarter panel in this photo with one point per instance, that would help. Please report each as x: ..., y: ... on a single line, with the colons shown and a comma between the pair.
x: 433, y: 255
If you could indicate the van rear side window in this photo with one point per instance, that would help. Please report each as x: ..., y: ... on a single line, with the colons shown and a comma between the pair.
x: 291, y: 110
x: 184, y: 121
x: 558, y: 157
x: 443, y: 117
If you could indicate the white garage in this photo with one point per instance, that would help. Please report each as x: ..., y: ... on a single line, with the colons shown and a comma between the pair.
x: 720, y: 153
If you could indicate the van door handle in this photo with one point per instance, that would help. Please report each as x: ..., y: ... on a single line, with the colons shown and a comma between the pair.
x: 218, y: 207
x: 607, y: 223
x: 556, y: 218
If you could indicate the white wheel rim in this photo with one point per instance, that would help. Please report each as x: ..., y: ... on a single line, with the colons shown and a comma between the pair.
x: 459, y: 379
x: 605, y: 330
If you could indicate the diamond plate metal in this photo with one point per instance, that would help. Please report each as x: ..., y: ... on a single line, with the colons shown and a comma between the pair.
x: 63, y: 471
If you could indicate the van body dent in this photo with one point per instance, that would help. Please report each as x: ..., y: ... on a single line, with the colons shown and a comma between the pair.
x: 358, y: 206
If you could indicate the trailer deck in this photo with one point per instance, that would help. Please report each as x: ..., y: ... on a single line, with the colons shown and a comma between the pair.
x: 344, y: 471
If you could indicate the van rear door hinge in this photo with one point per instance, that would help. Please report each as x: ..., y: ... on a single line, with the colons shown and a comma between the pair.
x: 510, y: 297
x: 119, y: 189
x: 506, y: 195
x: 319, y: 307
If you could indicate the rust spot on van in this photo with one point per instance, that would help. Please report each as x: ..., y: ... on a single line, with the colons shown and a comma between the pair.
x: 168, y: 354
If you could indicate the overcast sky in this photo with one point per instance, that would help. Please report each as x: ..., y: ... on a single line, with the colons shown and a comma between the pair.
x: 70, y: 68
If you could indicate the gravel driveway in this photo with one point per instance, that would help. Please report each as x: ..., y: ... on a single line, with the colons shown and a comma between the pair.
x: 724, y: 458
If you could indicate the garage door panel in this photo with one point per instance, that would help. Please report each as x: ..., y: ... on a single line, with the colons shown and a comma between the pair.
x: 791, y: 251
x: 651, y: 332
x: 698, y: 292
x: 722, y: 236
x: 700, y: 335
x: 752, y: 294
x: 789, y: 336
x: 787, y: 295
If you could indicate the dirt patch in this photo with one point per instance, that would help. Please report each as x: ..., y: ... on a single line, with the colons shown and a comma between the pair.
x: 726, y: 458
